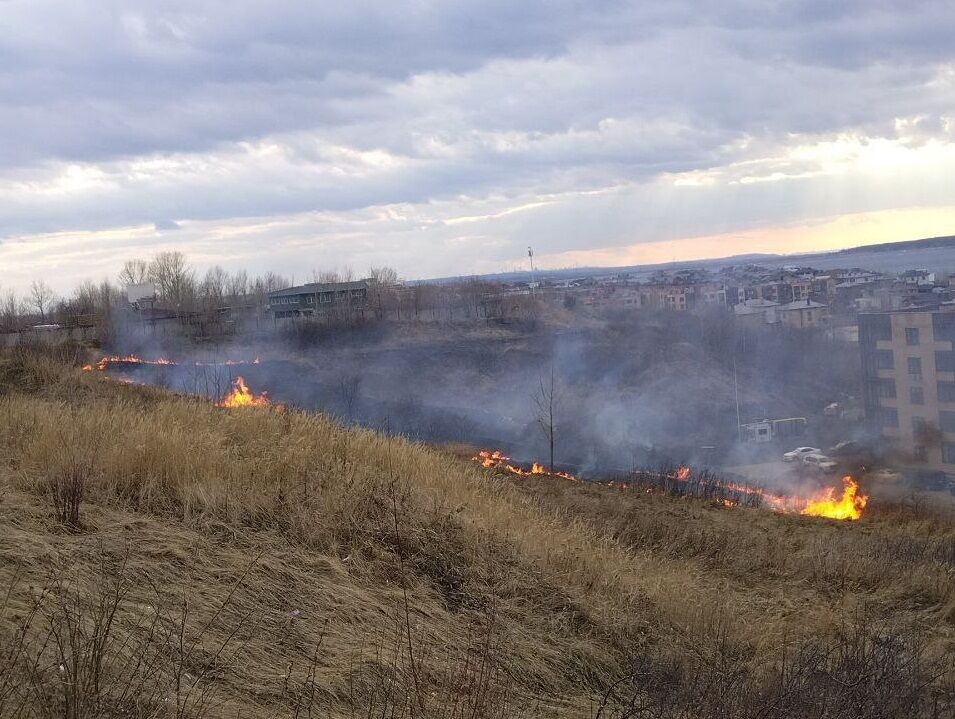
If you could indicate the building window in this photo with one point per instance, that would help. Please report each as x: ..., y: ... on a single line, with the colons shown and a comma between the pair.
x: 880, y: 359
x: 948, y: 453
x: 918, y: 424
x: 946, y: 421
x: 916, y: 396
x: 945, y: 361
x: 881, y: 388
x: 873, y: 328
x: 911, y: 336
x: 943, y: 325
x: 889, y: 417
x: 921, y: 452
x: 915, y: 369
x: 946, y: 391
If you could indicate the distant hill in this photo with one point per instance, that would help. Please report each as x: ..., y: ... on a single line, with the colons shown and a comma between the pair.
x: 831, y: 259
x: 903, y: 245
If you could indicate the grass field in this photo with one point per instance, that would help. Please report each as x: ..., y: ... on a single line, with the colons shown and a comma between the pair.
x: 160, y: 556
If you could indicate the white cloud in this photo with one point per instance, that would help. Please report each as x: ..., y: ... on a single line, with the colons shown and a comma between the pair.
x: 447, y: 136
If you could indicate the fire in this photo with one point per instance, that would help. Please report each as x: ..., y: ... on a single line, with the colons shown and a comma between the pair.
x: 105, y: 362
x: 823, y: 504
x: 849, y: 506
x: 242, y: 396
x: 498, y: 460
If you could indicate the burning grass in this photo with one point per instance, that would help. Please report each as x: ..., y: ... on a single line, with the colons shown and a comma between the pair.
x: 850, y: 504
x: 283, y: 565
x: 241, y: 396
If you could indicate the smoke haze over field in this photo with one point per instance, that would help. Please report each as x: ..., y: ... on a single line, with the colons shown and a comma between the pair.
x: 632, y: 391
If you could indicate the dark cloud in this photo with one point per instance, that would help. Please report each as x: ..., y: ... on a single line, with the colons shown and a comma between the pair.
x: 116, y: 113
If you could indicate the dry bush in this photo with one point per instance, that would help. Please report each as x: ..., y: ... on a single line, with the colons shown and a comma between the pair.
x: 67, y: 489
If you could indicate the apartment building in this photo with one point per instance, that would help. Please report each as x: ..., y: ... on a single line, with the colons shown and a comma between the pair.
x: 908, y: 366
x: 803, y: 313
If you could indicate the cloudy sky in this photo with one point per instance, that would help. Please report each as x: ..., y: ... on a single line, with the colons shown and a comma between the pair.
x: 443, y: 138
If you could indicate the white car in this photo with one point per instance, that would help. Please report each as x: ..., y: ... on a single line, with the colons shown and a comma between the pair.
x: 819, y: 461
x: 799, y: 453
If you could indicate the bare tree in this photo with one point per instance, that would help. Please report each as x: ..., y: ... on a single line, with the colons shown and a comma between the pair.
x: 547, y: 401
x: 238, y: 285
x: 214, y: 287
x: 41, y: 297
x: 134, y: 272
x: 383, y: 275
x: 348, y: 387
x: 174, y: 278
x: 10, y: 310
x: 325, y: 276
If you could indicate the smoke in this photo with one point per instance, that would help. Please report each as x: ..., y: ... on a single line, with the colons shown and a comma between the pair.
x: 632, y: 389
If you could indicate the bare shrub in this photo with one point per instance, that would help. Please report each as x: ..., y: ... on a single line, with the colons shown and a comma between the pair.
x: 67, y: 489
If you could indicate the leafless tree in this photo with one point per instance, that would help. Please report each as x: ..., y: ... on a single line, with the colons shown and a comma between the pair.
x: 547, y: 401
x: 134, y: 272
x: 214, y: 288
x: 383, y: 275
x: 10, y: 310
x: 238, y: 285
x: 174, y: 278
x: 348, y: 387
x: 41, y: 297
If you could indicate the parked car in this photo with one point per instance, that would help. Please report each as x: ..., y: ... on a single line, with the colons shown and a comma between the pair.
x: 819, y: 461
x: 799, y: 453
x: 845, y: 448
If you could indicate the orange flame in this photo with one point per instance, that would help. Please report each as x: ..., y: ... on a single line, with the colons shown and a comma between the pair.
x: 242, y: 396
x: 849, y: 506
x: 104, y: 362
x: 498, y: 460
x: 823, y: 504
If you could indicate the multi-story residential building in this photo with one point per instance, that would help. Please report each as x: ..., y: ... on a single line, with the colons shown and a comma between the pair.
x: 669, y: 297
x: 803, y: 313
x: 824, y: 286
x: 908, y: 366
x: 800, y: 288
x: 710, y: 293
x: 755, y: 313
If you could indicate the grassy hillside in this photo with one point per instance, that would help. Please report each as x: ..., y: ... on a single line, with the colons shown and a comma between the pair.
x: 160, y: 556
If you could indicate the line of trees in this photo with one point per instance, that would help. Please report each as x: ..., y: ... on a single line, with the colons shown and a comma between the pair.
x: 184, y: 291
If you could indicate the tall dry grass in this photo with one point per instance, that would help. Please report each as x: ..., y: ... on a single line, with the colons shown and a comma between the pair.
x: 395, y: 580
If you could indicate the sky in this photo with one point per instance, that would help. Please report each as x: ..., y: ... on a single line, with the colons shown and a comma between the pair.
x: 444, y: 138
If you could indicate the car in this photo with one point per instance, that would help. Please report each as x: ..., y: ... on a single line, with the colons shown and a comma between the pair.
x: 845, y: 448
x: 819, y: 461
x: 799, y: 453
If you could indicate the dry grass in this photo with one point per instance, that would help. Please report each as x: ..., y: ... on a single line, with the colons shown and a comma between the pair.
x: 293, y: 567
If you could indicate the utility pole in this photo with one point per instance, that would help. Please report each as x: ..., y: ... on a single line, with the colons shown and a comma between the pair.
x: 530, y: 254
x: 739, y: 425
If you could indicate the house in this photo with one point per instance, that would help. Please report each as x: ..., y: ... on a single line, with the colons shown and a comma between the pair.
x: 318, y: 298
x: 755, y: 312
x: 918, y: 277
x: 803, y: 313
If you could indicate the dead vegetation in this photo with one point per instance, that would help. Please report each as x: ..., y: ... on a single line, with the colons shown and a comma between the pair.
x: 163, y: 557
